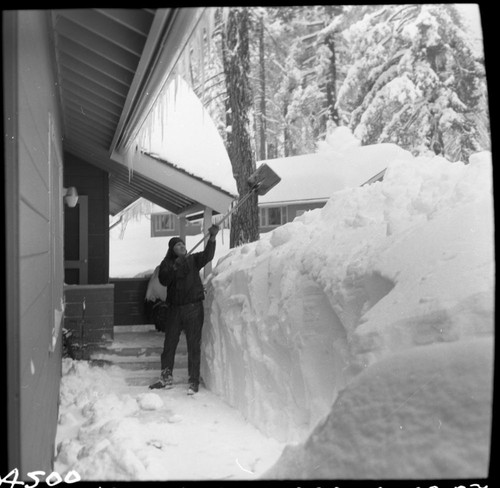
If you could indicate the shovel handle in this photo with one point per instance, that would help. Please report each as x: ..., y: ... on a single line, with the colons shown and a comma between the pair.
x: 243, y: 200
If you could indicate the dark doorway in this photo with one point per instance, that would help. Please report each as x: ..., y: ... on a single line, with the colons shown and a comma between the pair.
x: 76, y: 247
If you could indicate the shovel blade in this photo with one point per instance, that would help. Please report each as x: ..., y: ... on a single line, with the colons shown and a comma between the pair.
x: 264, y: 178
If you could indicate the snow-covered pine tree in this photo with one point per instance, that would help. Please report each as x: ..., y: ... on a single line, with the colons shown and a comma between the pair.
x: 301, y: 59
x: 299, y: 104
x: 414, y: 80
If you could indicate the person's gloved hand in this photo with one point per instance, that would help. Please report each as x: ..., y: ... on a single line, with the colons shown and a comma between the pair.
x: 213, y: 230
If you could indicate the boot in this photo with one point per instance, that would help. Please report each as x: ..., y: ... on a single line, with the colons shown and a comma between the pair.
x: 166, y: 380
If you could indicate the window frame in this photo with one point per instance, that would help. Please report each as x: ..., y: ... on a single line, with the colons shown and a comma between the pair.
x: 158, y: 227
x: 264, y: 216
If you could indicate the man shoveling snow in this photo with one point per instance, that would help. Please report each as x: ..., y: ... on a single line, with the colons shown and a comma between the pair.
x: 180, y: 273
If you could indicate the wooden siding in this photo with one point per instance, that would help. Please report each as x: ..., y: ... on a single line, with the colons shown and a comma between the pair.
x: 11, y: 428
x: 40, y: 248
x: 93, y: 182
x: 89, y: 316
x: 130, y: 294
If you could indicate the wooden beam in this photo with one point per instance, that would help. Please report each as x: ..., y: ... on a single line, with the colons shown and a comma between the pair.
x: 90, y: 58
x: 103, y: 25
x: 207, y: 222
x: 101, y: 47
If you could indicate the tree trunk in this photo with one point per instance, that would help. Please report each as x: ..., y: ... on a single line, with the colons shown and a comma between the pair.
x: 331, y: 91
x: 287, y: 143
x: 236, y: 61
x: 262, y: 104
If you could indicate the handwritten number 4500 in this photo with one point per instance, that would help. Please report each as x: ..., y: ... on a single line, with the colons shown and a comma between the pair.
x: 51, y: 480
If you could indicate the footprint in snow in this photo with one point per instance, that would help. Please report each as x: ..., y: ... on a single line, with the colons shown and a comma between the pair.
x: 175, y: 418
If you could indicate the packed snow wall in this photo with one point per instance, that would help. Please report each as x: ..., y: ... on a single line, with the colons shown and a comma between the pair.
x: 275, y: 349
x: 403, y: 263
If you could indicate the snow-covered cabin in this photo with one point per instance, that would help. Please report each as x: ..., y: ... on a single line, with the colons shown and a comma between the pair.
x: 309, y: 180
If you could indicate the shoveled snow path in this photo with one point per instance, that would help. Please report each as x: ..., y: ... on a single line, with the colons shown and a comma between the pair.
x: 110, y: 430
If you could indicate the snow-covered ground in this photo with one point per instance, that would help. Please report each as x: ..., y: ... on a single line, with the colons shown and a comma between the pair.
x: 357, y: 339
x: 109, y: 430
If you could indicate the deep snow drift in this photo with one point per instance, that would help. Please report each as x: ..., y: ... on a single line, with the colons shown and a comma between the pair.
x: 401, y: 269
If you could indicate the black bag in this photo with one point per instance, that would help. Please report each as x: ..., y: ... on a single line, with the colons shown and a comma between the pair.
x: 159, y: 314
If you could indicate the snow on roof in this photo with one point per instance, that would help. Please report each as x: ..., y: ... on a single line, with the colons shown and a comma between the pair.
x: 207, y: 178
x: 317, y: 176
x: 183, y: 133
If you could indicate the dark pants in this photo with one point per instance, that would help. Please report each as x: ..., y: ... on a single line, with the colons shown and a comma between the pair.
x: 190, y: 319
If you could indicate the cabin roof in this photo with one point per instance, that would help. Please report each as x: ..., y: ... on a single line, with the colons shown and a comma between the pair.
x: 110, y: 64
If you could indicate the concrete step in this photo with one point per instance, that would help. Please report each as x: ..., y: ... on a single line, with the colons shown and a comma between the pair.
x: 135, y: 328
x: 147, y: 377
x: 138, y: 348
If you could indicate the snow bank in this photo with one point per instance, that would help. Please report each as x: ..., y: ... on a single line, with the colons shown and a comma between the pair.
x: 421, y: 414
x: 393, y: 266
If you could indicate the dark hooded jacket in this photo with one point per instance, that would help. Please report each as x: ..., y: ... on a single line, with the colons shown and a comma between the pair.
x: 181, y: 275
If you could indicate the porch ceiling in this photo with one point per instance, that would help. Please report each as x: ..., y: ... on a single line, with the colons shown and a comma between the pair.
x: 106, y: 59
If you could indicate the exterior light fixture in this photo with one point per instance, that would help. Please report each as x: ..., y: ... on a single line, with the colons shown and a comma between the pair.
x: 70, y: 196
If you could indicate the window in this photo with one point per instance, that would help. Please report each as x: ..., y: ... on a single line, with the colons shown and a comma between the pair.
x: 162, y: 224
x: 272, y: 216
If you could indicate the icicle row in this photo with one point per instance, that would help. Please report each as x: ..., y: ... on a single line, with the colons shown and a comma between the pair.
x: 158, y: 117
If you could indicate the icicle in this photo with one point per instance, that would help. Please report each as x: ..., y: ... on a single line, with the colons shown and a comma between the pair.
x: 202, y: 61
x: 225, y: 15
x: 176, y: 86
x: 167, y: 99
x: 210, y: 25
x: 130, y: 158
x: 148, y: 133
x: 158, y: 124
x: 128, y: 161
x: 163, y: 117
x: 145, y: 135
x: 186, y: 74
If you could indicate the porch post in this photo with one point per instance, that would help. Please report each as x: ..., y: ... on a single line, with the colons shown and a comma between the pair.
x: 207, y: 222
x: 182, y: 227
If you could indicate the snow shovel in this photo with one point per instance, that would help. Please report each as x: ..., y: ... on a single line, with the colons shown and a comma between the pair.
x: 260, y: 181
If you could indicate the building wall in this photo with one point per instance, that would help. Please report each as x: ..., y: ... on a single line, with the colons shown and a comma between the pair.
x: 93, y: 182
x: 159, y: 227
x: 292, y: 211
x: 40, y: 267
x: 295, y: 209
